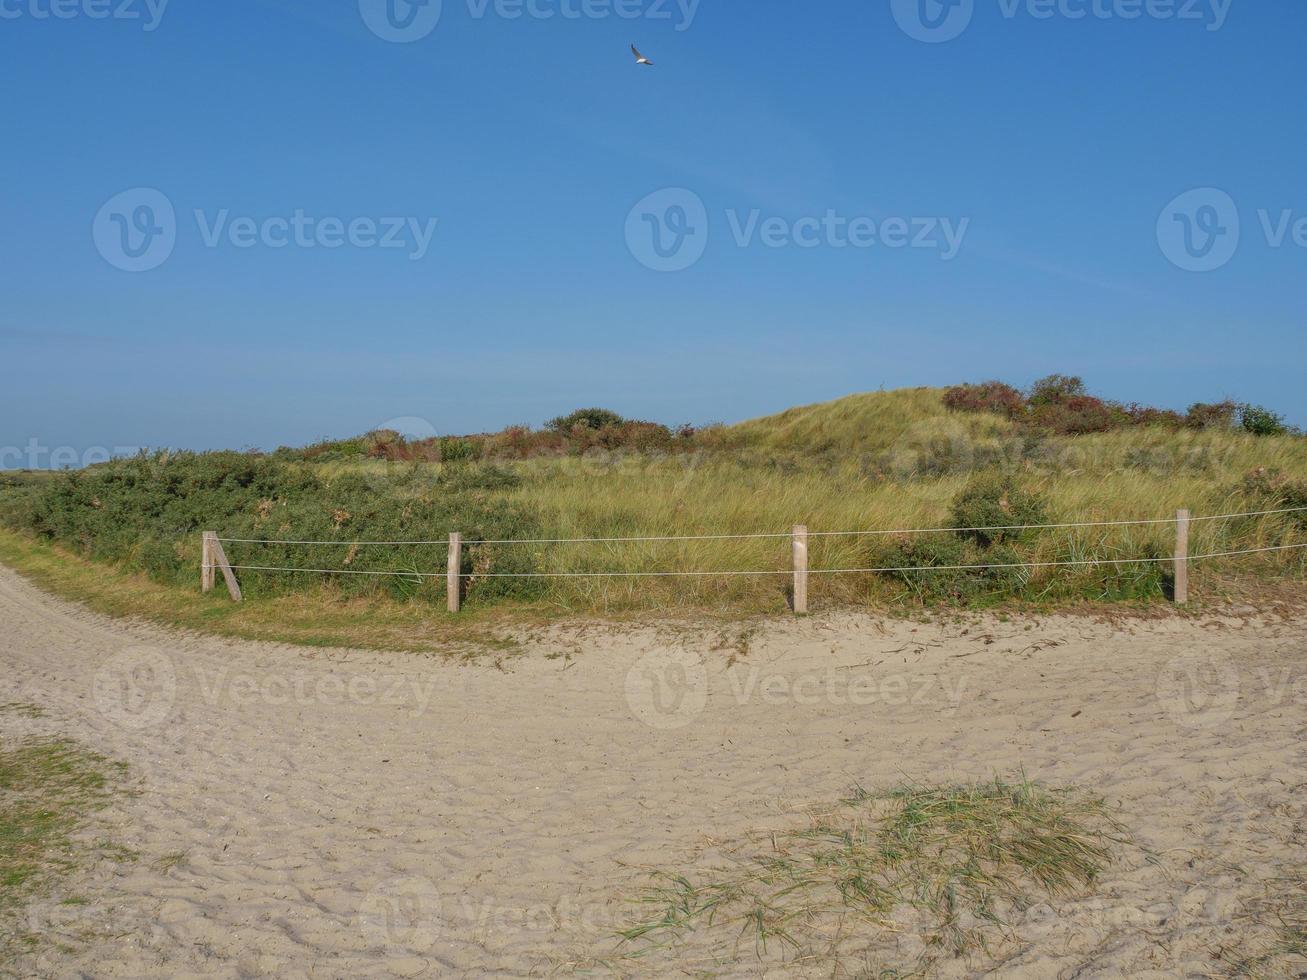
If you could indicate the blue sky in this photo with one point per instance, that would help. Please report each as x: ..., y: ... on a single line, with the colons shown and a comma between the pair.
x: 1052, y: 146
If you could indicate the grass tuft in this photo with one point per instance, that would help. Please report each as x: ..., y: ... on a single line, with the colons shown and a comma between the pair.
x: 947, y: 862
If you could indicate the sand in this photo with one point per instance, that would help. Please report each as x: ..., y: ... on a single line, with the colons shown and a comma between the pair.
x: 334, y: 813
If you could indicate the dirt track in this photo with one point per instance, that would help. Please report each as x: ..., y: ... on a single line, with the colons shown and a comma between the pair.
x: 310, y: 813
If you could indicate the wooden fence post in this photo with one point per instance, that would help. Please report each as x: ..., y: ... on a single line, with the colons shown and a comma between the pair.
x: 800, y: 549
x: 218, y: 558
x: 206, y: 561
x: 453, y: 580
x: 1181, y: 556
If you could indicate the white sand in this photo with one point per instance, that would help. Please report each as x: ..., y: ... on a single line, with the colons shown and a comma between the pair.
x: 311, y: 813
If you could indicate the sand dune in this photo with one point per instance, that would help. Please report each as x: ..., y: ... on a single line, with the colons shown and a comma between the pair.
x: 315, y: 813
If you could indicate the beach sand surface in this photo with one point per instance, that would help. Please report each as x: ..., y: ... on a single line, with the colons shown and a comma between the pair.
x: 319, y: 813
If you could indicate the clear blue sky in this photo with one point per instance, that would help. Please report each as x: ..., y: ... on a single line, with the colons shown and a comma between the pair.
x: 1060, y: 140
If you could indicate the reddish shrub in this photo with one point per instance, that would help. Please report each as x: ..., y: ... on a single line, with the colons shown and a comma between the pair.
x: 1060, y: 405
x: 1211, y: 415
x: 1137, y: 414
x: 1074, y: 415
x: 645, y: 436
x: 515, y: 441
x: 989, y: 396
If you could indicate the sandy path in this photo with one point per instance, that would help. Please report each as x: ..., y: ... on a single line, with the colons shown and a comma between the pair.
x: 341, y: 814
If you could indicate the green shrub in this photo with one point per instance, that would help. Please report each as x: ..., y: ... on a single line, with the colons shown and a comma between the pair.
x: 478, y: 476
x: 1055, y: 388
x: 584, y: 418
x: 146, y: 514
x: 995, y: 500
x: 941, y: 552
x: 1261, y: 421
x: 453, y: 450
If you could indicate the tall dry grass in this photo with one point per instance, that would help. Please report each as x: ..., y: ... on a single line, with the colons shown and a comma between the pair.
x: 878, y: 462
x: 883, y: 462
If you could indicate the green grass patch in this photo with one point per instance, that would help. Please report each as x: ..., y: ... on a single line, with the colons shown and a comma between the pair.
x: 23, y: 709
x: 947, y: 862
x: 48, y: 789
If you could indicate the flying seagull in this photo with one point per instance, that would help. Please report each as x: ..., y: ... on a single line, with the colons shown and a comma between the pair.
x: 639, y: 58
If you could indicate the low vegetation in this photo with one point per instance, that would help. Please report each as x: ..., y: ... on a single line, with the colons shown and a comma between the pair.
x: 967, y: 457
x: 48, y: 788
x: 1270, y: 936
x: 1061, y: 404
x: 947, y: 865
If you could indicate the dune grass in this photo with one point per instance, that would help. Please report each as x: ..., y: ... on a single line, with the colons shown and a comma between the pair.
x: 871, y: 462
x: 894, y: 461
x: 947, y: 863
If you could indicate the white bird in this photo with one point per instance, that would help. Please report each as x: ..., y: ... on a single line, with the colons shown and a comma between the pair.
x: 639, y: 58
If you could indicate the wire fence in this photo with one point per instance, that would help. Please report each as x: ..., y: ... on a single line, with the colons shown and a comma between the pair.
x: 770, y: 571
x: 754, y: 536
x: 456, y: 573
